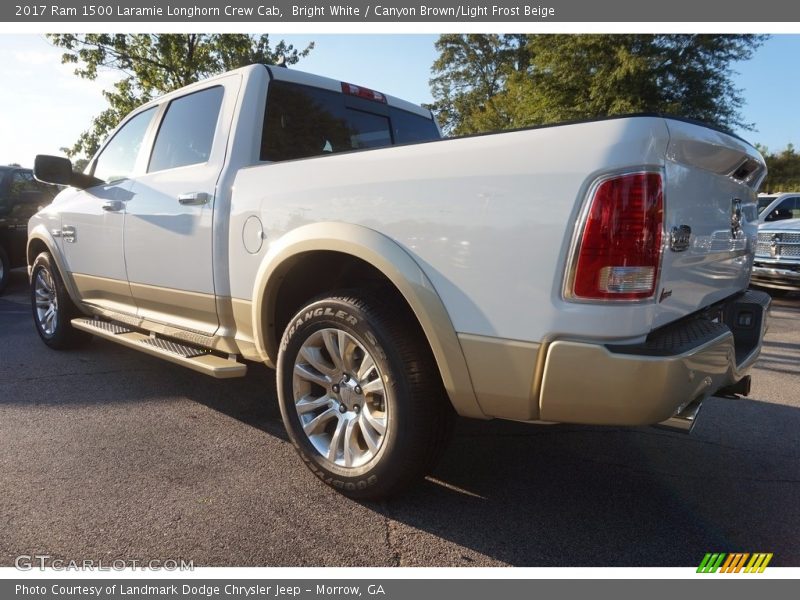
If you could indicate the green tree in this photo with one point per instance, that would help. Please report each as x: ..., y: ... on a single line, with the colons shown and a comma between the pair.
x: 472, y: 69
x: 154, y: 64
x: 587, y: 76
x: 783, y: 170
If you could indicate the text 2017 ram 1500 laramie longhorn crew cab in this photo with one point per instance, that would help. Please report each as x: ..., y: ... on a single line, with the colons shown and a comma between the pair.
x: 585, y: 273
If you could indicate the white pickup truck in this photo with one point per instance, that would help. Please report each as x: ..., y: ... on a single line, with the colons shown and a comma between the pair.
x: 585, y: 273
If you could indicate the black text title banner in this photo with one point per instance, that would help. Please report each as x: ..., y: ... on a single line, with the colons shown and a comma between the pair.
x: 255, y: 11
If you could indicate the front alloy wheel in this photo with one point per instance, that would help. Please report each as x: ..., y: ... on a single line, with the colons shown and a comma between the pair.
x: 52, y: 307
x: 45, y: 302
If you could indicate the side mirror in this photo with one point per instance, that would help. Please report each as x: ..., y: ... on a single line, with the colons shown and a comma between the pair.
x: 52, y: 169
x: 58, y: 170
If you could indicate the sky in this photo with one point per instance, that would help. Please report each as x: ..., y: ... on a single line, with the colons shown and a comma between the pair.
x: 44, y: 107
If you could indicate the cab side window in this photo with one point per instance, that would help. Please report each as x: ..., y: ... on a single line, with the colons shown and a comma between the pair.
x: 118, y: 158
x: 186, y: 134
x: 788, y: 209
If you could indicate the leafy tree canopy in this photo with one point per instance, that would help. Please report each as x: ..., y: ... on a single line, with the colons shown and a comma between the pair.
x: 154, y: 64
x: 471, y: 70
x: 783, y: 170
x: 489, y: 82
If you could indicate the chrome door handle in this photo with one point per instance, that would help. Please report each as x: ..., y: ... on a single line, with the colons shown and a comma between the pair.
x: 113, y: 205
x: 194, y: 199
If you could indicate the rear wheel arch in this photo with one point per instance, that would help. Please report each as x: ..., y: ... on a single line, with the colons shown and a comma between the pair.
x: 354, y: 256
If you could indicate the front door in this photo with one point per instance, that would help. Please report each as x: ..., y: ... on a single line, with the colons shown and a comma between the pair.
x: 92, y: 221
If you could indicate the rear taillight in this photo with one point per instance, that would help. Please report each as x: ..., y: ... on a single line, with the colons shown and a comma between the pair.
x: 619, y: 251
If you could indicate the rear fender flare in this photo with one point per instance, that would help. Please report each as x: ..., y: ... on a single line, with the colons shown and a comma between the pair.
x: 397, y: 266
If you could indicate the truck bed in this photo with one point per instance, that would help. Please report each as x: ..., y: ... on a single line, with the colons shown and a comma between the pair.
x: 491, y: 219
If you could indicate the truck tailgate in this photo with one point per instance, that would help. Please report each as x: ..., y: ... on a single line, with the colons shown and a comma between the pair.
x: 710, y: 219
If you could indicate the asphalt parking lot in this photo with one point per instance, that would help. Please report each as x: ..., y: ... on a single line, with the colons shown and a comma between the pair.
x: 106, y: 453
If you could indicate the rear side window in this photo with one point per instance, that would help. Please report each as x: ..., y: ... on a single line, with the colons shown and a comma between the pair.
x: 187, y: 131
x: 302, y: 121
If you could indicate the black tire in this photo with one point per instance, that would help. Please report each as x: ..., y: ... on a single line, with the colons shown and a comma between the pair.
x: 5, y: 267
x: 58, y: 334
x: 417, y: 415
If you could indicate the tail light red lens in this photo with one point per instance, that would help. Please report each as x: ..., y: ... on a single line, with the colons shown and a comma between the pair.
x: 619, y: 252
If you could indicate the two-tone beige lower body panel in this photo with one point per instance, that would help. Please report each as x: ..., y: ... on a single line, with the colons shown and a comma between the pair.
x: 569, y: 381
x: 191, y: 317
x: 587, y: 383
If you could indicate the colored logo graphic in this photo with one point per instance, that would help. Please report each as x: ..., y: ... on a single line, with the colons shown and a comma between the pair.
x: 734, y: 563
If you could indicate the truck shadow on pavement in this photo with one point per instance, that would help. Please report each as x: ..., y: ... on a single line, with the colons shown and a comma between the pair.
x: 522, y: 495
x: 591, y: 496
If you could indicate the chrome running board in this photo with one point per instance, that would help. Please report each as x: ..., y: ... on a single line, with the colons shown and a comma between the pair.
x: 193, y: 357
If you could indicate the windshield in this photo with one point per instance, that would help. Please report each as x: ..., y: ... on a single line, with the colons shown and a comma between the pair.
x: 764, y: 202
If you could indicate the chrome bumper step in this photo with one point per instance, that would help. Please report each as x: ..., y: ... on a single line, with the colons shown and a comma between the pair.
x: 193, y: 357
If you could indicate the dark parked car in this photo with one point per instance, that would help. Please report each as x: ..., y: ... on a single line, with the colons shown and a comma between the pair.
x: 20, y: 197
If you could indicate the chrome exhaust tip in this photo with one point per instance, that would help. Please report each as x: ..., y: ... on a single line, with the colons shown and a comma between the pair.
x: 683, y: 421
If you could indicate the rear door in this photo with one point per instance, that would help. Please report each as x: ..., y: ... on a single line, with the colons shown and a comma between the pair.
x: 169, y: 221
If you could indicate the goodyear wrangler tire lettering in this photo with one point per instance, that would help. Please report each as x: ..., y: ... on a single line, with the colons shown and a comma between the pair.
x: 359, y: 394
x: 299, y: 320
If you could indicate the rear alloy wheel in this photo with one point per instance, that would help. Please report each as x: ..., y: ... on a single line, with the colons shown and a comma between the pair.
x: 340, y: 398
x: 53, y: 309
x: 360, y: 395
